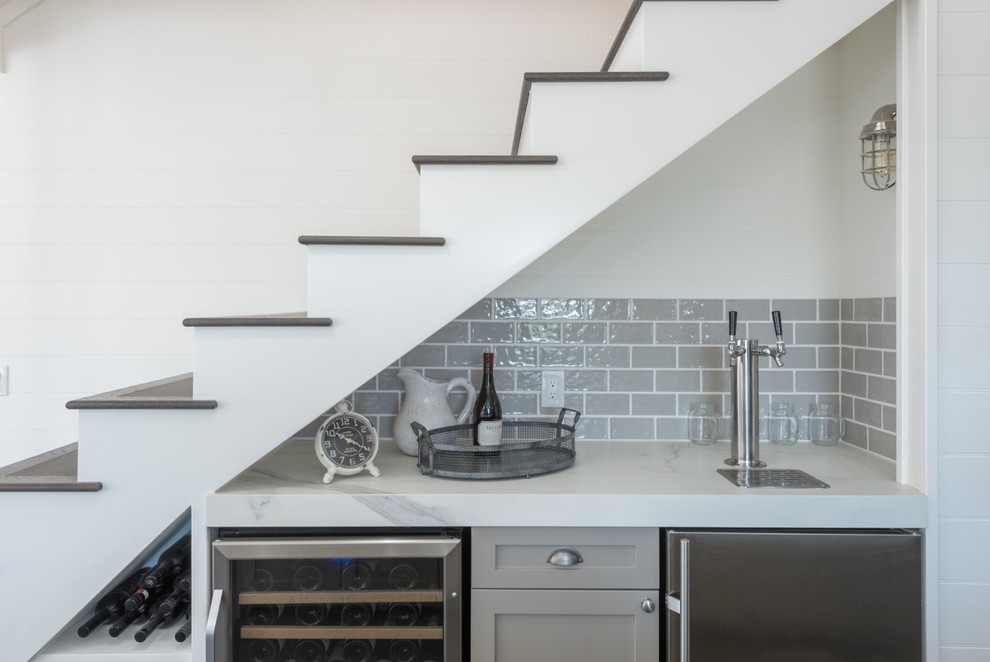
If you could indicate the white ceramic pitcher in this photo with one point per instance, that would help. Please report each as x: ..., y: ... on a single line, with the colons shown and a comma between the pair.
x: 426, y: 403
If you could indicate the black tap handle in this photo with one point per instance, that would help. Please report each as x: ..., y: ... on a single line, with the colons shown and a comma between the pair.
x: 778, y: 328
x: 732, y: 325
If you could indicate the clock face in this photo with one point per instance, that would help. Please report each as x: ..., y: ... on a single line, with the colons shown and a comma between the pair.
x: 349, y: 441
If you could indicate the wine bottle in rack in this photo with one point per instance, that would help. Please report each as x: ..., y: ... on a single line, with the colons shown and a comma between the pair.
x: 307, y: 576
x: 258, y: 580
x: 487, y: 408
x: 157, y: 620
x: 403, y: 650
x: 396, y: 574
x: 262, y: 614
x: 309, y: 650
x: 180, y: 591
x: 128, y: 617
x: 352, y: 650
x: 170, y: 562
x: 402, y: 614
x: 357, y: 614
x: 310, y: 614
x: 357, y: 575
x: 263, y: 650
x: 144, y: 595
x: 186, y: 628
x: 112, y: 604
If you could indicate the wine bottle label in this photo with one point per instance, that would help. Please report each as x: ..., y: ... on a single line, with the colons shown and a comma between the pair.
x: 490, y: 433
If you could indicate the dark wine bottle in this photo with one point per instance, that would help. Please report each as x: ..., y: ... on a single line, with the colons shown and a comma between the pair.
x: 263, y: 650
x: 180, y: 591
x: 356, y: 614
x: 157, y: 619
x: 309, y: 650
x: 127, y: 618
x: 403, y: 650
x: 487, y: 408
x: 402, y: 614
x: 186, y: 628
x: 397, y: 574
x: 175, y: 556
x: 352, y: 650
x: 357, y: 575
x: 145, y: 595
x: 262, y: 614
x: 112, y: 604
x: 258, y: 579
x: 310, y: 614
x: 307, y: 577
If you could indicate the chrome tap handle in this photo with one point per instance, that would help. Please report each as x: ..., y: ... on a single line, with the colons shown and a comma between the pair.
x: 734, y: 350
x: 777, y: 353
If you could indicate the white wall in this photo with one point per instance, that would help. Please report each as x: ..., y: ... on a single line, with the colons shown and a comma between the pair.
x: 752, y: 210
x: 867, y: 80
x: 158, y: 160
x: 963, y: 329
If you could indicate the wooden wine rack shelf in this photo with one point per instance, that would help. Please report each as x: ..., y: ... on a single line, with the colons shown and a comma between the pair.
x: 338, y: 632
x: 336, y: 597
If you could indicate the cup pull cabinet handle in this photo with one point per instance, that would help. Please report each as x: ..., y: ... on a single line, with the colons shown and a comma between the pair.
x: 565, y: 557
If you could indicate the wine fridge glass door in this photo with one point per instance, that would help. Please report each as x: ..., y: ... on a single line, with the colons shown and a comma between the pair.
x: 341, y: 599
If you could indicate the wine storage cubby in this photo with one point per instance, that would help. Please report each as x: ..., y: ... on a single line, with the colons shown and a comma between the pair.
x: 348, y: 599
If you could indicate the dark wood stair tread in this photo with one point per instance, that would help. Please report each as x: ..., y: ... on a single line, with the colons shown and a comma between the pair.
x: 170, y: 393
x: 627, y: 23
x: 575, y: 77
x: 338, y: 240
x: 491, y: 159
x: 51, y: 471
x: 279, y: 320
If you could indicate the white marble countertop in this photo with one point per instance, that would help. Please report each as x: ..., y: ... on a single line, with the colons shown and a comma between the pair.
x: 612, y: 483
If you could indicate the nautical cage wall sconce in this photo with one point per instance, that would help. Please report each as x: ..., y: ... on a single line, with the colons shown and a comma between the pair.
x: 879, y: 149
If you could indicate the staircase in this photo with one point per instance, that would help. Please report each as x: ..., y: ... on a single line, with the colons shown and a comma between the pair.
x: 583, y: 140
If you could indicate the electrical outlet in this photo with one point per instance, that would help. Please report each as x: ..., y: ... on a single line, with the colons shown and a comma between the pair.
x: 4, y: 378
x: 553, y: 389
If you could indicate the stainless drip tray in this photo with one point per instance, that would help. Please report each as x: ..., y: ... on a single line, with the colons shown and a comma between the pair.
x: 786, y: 478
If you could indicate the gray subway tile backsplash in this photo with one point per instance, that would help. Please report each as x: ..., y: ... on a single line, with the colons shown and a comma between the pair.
x: 634, y: 367
x: 654, y: 309
x: 701, y: 309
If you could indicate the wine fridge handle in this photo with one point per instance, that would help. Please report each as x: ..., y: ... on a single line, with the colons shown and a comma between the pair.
x: 211, y: 624
x: 685, y: 622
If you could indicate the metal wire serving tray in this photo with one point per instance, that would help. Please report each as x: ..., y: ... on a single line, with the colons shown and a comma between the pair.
x: 528, y: 448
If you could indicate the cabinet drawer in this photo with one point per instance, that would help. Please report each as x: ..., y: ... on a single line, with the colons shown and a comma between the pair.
x: 609, y: 558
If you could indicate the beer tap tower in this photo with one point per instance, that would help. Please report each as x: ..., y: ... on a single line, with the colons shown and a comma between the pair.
x: 744, y: 360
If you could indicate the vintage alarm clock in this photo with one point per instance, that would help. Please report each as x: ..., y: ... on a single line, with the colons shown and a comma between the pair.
x: 347, y: 443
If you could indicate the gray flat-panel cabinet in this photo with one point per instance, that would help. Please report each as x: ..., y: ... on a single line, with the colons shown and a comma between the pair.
x: 564, y: 626
x: 565, y: 595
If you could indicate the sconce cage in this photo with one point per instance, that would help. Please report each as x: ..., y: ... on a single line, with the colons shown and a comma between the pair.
x: 879, y: 149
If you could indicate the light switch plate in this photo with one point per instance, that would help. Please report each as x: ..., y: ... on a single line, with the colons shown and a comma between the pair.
x: 4, y: 378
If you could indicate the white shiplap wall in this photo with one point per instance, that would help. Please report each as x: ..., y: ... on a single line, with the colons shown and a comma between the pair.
x: 158, y: 160
x: 752, y: 210
x: 964, y: 329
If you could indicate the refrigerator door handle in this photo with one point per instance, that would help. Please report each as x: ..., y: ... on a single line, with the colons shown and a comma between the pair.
x: 684, y: 603
x: 212, y: 620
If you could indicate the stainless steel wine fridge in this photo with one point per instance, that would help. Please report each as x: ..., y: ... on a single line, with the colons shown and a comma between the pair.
x: 336, y: 599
